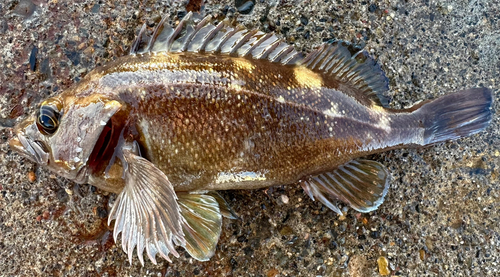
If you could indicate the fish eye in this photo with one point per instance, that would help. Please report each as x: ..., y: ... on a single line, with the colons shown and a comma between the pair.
x: 47, y: 119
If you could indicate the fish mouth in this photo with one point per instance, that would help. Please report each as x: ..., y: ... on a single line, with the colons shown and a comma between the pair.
x: 104, y: 147
x: 32, y: 150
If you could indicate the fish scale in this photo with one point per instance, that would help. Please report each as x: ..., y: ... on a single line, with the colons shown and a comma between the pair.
x: 204, y: 107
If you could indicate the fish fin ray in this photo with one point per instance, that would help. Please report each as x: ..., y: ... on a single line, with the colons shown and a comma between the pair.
x: 189, y: 36
x: 202, y: 224
x: 362, y: 184
x: 347, y: 65
x: 139, y: 41
x: 147, y: 218
x: 224, y: 207
x: 456, y: 115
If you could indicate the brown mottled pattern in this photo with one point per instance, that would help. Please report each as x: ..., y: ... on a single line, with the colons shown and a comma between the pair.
x: 203, y: 115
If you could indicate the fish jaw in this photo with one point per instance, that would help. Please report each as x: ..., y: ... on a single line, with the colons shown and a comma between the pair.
x: 28, y: 143
x: 29, y: 149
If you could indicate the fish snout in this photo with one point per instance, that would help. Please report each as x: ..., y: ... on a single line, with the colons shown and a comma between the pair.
x: 33, y: 150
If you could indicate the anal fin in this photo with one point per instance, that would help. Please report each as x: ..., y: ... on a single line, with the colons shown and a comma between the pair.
x: 362, y: 184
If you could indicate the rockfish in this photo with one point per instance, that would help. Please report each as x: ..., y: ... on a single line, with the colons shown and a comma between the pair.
x: 204, y: 107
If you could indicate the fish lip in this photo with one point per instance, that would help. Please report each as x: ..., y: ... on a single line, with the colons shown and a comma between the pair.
x: 29, y: 148
x: 16, y: 145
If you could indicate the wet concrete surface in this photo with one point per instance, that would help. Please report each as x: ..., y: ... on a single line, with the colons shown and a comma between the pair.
x: 440, y: 217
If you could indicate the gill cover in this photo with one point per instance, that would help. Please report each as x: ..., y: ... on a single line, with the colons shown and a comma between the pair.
x: 79, y: 129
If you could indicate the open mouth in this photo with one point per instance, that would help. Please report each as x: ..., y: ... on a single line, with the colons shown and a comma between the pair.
x: 104, y: 147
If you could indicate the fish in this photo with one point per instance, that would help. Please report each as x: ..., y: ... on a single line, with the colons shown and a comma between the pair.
x: 205, y: 106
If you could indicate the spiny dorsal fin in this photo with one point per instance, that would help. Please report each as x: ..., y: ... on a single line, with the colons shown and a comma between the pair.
x: 349, y: 65
x: 360, y: 183
x: 222, y: 38
x: 345, y: 66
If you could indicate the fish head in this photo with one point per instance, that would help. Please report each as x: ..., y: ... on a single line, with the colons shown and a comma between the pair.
x: 63, y: 133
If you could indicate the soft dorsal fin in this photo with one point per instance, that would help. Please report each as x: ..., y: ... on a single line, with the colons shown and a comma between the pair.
x: 345, y: 66
x: 351, y: 66
x: 221, y: 38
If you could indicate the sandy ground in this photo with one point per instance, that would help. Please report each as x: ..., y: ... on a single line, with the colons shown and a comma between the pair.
x: 440, y: 217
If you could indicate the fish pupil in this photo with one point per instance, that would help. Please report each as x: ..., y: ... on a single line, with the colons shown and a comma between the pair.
x: 47, y: 120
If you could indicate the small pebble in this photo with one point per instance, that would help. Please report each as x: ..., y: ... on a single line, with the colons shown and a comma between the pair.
x: 194, y: 5
x: 272, y: 272
x: 304, y: 20
x: 383, y: 266
x: 32, y: 176
x: 101, y: 212
x: 244, y: 6
x: 422, y: 254
x: 286, y: 231
x: 284, y: 199
x: 32, y: 58
x: 46, y: 215
x: 25, y: 8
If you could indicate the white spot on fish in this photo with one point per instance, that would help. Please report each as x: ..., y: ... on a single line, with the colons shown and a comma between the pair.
x: 281, y: 99
x: 102, y: 122
x: 76, y: 159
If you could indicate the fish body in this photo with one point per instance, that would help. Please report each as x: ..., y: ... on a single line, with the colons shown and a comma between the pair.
x: 214, y: 122
x: 209, y: 107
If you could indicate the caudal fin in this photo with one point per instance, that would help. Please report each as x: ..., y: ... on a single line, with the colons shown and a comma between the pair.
x: 456, y: 115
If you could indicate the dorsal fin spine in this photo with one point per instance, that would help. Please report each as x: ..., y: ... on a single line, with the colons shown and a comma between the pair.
x: 211, y: 35
x: 156, y: 33
x: 256, y: 44
x: 137, y: 41
x: 198, y: 27
x: 293, y: 58
x: 282, y: 54
x: 270, y: 48
x: 241, y: 41
x: 259, y: 50
x: 200, y: 38
x: 177, y: 30
x: 225, y: 37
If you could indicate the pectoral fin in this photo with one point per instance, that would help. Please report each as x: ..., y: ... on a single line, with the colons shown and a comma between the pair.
x: 146, y: 211
x: 362, y: 184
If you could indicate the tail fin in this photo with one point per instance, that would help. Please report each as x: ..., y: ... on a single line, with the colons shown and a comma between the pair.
x: 456, y: 115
